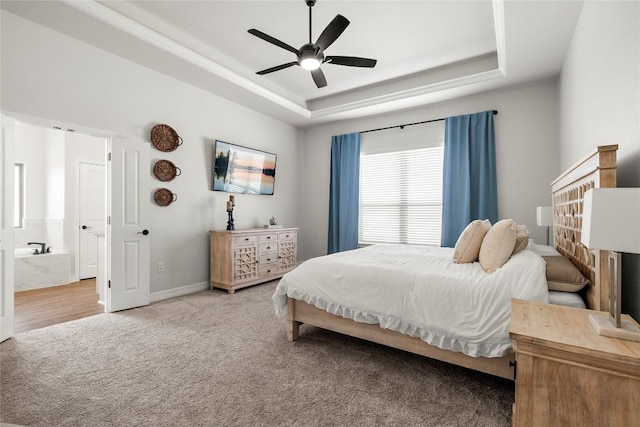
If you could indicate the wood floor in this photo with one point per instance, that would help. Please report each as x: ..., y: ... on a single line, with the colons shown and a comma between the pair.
x: 38, y: 308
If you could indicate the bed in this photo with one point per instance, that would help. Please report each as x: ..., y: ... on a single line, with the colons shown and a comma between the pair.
x: 483, y: 347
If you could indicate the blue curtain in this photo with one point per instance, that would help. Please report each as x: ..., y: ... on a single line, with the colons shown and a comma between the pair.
x: 344, y: 196
x: 469, y: 186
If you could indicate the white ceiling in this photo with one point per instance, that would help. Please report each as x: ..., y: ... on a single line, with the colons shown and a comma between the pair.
x: 427, y: 51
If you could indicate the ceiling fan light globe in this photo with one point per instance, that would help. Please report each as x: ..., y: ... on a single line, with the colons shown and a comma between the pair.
x: 310, y: 64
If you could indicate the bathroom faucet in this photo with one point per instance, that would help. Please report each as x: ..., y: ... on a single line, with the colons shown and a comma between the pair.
x: 42, y: 245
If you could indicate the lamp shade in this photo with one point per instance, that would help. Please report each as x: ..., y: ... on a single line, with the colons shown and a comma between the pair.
x: 544, y: 216
x: 611, y: 219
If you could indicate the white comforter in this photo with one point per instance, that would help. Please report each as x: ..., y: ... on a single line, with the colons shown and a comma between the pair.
x: 421, y: 292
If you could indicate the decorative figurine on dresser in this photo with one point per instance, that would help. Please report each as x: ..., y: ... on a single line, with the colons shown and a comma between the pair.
x: 241, y: 258
x: 230, y: 204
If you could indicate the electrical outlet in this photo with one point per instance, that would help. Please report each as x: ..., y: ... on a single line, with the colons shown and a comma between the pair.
x: 161, y: 267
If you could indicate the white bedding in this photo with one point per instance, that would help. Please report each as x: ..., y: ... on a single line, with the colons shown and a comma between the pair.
x: 567, y: 299
x: 420, y: 291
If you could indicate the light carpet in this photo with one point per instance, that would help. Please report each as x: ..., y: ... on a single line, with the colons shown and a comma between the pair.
x: 215, y: 359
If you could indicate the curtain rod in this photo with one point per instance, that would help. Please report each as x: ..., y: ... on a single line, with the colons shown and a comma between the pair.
x: 411, y: 124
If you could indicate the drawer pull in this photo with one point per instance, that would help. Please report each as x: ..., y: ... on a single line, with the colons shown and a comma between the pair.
x: 268, y: 271
x: 268, y: 247
x: 268, y: 237
x: 268, y: 259
x: 246, y: 239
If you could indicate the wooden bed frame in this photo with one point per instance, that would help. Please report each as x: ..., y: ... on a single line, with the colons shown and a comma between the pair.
x: 596, y: 170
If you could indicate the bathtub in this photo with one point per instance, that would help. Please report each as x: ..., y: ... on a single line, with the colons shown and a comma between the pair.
x: 39, y: 271
x: 20, y: 252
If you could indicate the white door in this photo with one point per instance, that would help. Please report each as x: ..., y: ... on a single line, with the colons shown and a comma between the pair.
x: 128, y: 239
x: 7, y: 127
x: 91, y: 198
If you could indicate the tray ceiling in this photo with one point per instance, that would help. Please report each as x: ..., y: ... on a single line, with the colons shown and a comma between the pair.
x: 427, y: 51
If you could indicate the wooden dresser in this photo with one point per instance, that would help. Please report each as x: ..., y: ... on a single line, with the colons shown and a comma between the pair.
x: 568, y: 375
x: 241, y: 258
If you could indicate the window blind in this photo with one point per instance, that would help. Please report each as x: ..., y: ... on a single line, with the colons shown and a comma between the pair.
x: 401, y: 197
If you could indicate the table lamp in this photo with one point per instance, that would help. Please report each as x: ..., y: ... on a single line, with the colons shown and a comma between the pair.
x: 611, y: 222
x: 544, y: 218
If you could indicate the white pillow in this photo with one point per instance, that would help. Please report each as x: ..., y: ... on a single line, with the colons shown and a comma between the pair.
x: 568, y: 299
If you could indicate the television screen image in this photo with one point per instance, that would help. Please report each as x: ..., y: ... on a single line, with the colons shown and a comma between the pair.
x: 238, y: 169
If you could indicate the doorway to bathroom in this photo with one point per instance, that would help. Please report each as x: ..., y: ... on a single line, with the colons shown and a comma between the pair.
x: 125, y: 244
x: 63, y: 190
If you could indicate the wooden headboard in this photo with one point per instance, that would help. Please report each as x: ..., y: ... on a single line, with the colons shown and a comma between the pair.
x: 597, y: 170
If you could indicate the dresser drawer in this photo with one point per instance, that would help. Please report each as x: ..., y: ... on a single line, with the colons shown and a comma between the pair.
x: 268, y: 258
x: 265, y: 238
x: 287, y: 235
x: 268, y: 248
x: 268, y: 270
x: 246, y: 240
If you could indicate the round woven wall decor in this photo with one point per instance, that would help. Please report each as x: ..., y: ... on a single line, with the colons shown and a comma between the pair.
x: 164, y: 138
x: 164, y: 197
x: 165, y: 170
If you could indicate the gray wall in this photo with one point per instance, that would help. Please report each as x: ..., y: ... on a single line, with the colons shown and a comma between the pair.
x: 599, y: 98
x: 48, y: 75
x: 527, y: 154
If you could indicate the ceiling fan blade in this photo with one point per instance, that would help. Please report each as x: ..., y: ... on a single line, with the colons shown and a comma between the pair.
x: 268, y: 38
x: 318, y: 78
x: 351, y: 61
x: 277, y: 68
x: 332, y: 32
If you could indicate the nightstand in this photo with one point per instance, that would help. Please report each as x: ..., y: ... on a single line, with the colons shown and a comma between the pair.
x: 568, y: 375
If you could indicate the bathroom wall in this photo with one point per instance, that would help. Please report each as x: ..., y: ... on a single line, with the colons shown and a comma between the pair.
x: 30, y: 151
x: 53, y: 188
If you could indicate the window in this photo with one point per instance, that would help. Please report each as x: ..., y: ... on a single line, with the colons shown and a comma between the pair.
x: 18, y: 195
x: 401, y: 197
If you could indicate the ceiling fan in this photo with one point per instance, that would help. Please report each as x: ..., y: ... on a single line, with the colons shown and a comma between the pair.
x: 311, y: 55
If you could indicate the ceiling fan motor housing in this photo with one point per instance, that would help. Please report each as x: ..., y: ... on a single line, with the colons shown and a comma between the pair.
x: 310, y: 57
x: 309, y: 51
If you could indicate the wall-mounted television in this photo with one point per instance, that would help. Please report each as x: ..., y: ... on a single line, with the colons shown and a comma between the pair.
x: 238, y: 169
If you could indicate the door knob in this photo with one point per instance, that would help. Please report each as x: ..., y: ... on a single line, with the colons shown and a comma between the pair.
x: 84, y: 227
x: 143, y: 232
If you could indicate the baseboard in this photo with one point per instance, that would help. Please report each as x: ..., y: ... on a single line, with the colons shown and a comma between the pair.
x: 178, y: 292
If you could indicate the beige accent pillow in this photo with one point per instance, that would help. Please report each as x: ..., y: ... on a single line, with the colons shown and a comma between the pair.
x: 522, y: 241
x: 563, y: 275
x: 498, y: 245
x: 468, y: 245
